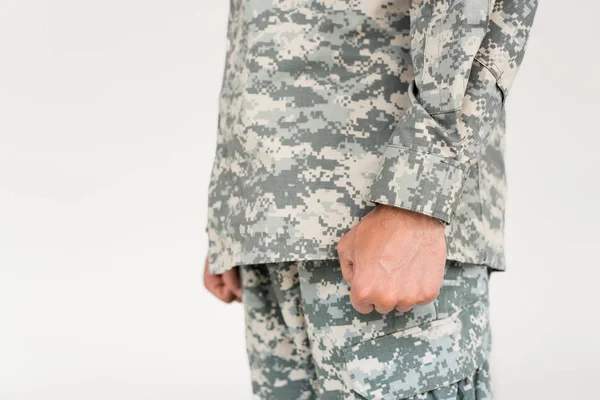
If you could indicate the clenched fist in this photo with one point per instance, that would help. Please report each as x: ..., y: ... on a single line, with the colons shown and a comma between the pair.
x: 393, y: 259
x: 226, y: 286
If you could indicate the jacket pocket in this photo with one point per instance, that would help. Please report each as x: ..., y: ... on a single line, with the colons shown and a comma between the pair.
x: 420, y: 359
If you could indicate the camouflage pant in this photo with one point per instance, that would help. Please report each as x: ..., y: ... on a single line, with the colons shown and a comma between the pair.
x: 306, y: 341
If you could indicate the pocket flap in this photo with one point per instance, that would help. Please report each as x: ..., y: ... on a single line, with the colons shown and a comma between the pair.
x: 420, y: 359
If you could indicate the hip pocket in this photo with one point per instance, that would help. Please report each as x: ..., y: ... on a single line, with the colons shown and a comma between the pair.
x: 422, y: 358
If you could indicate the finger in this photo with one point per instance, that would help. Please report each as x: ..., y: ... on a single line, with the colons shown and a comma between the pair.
x: 220, y: 291
x: 360, y: 301
x: 404, y: 307
x: 363, y: 308
x: 429, y: 296
x: 346, y: 241
x: 347, y: 269
x: 384, y: 310
x: 385, y: 306
x: 215, y: 285
x: 425, y: 301
x: 231, y: 279
x: 224, y: 294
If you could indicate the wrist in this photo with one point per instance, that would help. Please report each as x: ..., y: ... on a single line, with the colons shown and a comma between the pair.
x: 385, y: 208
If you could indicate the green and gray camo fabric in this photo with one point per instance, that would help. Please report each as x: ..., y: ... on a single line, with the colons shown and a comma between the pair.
x: 331, y: 106
x: 306, y: 341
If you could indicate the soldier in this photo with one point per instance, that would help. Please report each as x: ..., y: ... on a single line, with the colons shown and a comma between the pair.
x: 357, y: 195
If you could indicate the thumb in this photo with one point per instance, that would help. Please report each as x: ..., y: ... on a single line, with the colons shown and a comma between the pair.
x: 347, y: 269
x: 345, y: 252
x: 231, y: 279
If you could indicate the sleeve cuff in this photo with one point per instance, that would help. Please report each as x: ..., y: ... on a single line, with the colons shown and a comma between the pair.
x: 422, y: 182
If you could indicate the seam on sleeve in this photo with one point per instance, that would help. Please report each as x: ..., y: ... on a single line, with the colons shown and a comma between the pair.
x: 446, y: 112
x: 436, y: 209
x: 496, y: 73
x: 453, y: 162
x: 494, y: 70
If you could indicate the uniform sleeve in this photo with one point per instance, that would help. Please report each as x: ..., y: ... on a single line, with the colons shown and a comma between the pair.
x: 465, y: 55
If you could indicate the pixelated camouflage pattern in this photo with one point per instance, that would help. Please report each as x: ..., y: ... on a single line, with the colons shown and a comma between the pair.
x: 306, y: 341
x: 330, y: 106
x: 276, y: 336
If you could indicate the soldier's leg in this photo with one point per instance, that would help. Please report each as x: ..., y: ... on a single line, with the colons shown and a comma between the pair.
x: 436, y: 351
x: 276, y: 338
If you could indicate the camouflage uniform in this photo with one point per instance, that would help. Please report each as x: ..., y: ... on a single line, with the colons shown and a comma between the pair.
x: 329, y: 107
x: 306, y: 341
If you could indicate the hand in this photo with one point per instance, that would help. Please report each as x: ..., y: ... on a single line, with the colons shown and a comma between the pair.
x: 226, y: 286
x: 393, y: 259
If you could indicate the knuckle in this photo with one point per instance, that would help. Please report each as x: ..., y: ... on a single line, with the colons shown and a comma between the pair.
x: 408, y: 300
x: 364, y: 309
x: 361, y: 294
x: 361, y: 310
x: 341, y: 246
x: 430, y: 295
x: 388, y: 302
x: 347, y: 275
x: 403, y: 308
x: 406, y: 303
x: 227, y: 297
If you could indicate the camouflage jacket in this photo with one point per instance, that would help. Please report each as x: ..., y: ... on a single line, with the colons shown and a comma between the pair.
x: 330, y: 106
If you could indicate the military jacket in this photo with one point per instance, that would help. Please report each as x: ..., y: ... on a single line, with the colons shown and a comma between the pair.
x: 329, y: 107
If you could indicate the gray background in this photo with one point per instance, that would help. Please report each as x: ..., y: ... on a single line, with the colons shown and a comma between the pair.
x: 108, y: 114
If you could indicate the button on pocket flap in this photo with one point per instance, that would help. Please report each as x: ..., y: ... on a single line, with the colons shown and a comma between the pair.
x: 420, y: 359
